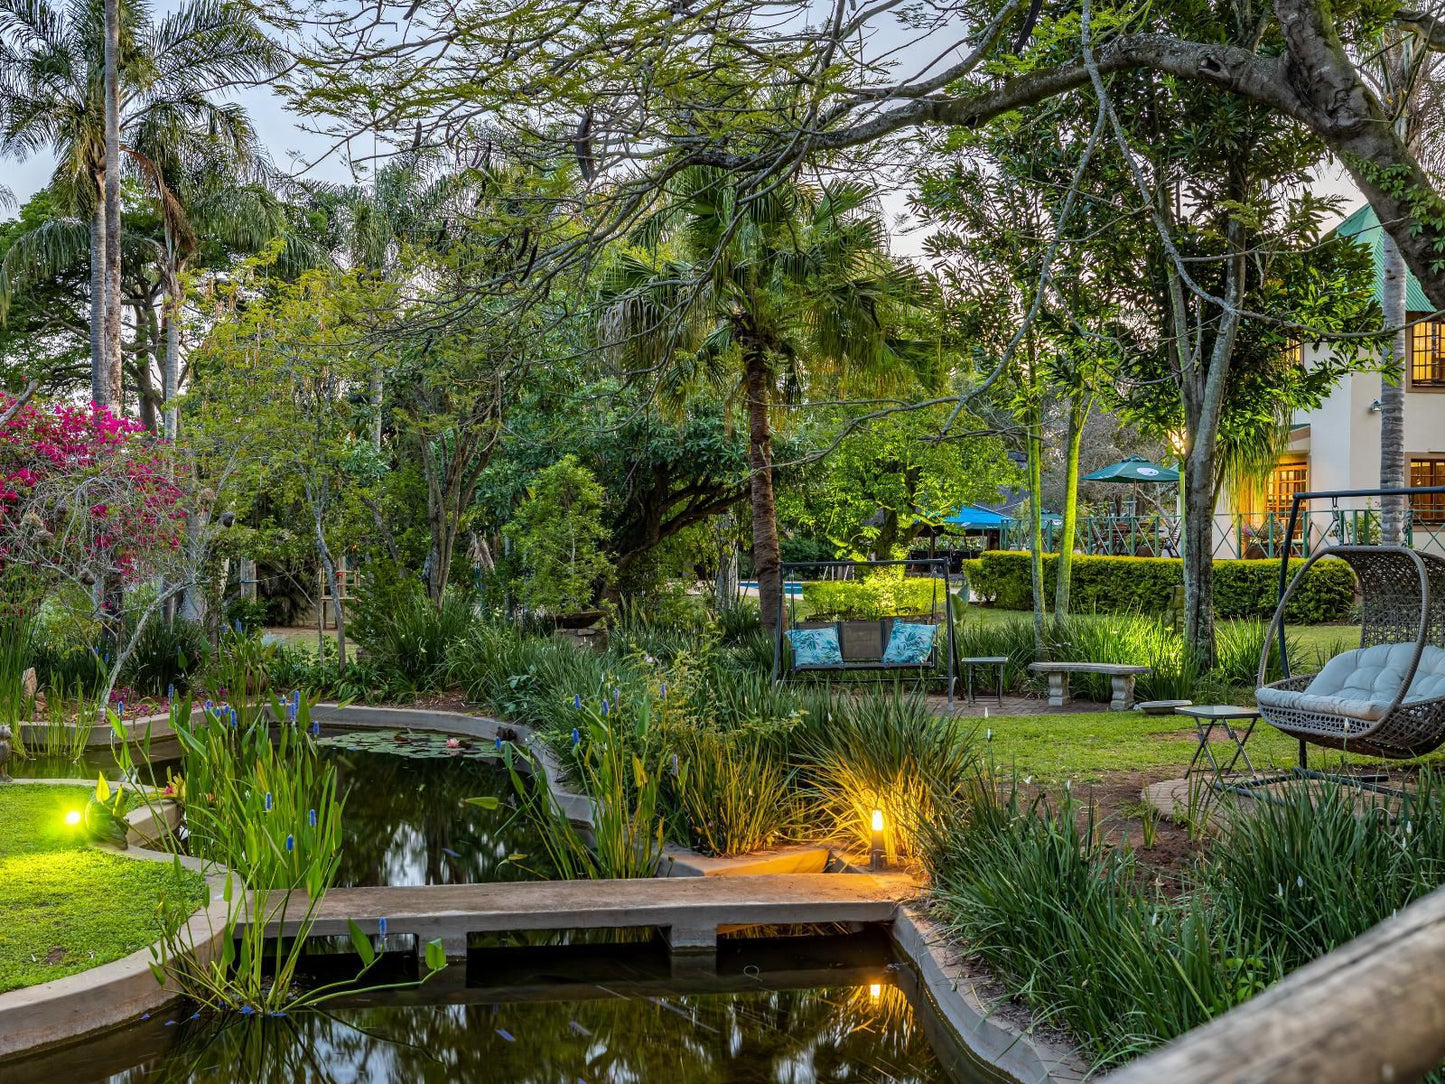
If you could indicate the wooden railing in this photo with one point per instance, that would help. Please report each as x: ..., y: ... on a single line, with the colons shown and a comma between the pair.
x: 1371, y: 1011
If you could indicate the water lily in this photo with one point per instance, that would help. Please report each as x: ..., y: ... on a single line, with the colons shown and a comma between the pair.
x: 454, y: 743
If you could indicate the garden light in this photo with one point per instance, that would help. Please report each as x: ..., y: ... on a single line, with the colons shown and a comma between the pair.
x: 875, y: 991
x: 73, y: 817
x: 875, y: 849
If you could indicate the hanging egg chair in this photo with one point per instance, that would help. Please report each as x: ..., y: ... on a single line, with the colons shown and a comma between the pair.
x: 1385, y: 698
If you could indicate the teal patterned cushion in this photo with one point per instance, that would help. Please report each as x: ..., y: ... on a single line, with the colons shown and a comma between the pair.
x: 909, y: 643
x: 815, y: 647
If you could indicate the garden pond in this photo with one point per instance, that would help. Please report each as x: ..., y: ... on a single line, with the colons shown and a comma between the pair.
x: 791, y: 1010
x: 408, y: 817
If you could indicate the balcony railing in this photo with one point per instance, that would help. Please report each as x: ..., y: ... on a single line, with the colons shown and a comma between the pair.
x: 1260, y: 536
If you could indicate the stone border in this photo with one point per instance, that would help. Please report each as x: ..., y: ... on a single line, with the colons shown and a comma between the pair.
x: 975, y: 1017
x: 62, y: 1010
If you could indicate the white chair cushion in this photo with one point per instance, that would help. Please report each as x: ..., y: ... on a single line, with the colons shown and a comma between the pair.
x: 1363, y: 683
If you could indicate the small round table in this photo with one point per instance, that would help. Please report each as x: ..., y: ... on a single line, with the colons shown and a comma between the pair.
x: 1232, y: 717
x: 1000, y: 661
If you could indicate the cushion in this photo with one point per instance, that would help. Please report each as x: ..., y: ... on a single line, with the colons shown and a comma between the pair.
x: 815, y: 647
x: 909, y: 643
x: 1363, y: 683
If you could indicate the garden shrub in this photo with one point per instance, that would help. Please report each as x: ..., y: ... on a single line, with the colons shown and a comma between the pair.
x: 561, y: 539
x: 884, y: 593
x: 166, y: 654
x: 1146, y: 585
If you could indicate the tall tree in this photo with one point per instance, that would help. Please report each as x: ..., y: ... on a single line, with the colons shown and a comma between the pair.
x: 759, y: 293
x: 80, y: 83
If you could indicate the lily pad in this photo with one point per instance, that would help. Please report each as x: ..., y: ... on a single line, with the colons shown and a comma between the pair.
x: 414, y: 744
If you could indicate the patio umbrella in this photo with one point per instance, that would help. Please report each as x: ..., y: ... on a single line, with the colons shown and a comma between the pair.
x: 1133, y: 469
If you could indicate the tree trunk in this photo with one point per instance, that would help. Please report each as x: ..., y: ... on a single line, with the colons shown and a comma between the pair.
x: 112, y: 205
x: 767, y: 556
x: 323, y: 551
x: 1392, y: 397
x: 374, y: 396
x: 1034, y: 450
x: 171, y: 367
x: 1078, y: 415
x: 99, y: 382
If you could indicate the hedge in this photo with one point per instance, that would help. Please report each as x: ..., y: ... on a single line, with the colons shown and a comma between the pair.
x: 1146, y: 585
x: 879, y: 595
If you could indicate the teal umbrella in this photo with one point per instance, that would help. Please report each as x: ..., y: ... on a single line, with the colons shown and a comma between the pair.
x: 1133, y: 469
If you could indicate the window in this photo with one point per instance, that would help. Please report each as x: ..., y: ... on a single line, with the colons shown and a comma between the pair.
x: 1427, y: 354
x: 1291, y: 475
x: 1428, y: 507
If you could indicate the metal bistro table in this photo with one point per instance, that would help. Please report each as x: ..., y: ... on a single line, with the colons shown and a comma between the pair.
x: 1000, y: 661
x: 1232, y: 718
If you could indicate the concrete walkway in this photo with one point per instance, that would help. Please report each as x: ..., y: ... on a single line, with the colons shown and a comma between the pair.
x: 689, y: 909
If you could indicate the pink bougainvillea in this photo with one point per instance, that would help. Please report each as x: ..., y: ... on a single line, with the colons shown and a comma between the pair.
x: 81, y: 486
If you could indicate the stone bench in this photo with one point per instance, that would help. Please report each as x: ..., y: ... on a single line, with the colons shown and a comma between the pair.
x: 1121, y: 676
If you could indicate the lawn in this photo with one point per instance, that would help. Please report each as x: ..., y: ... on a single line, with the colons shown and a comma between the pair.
x: 64, y: 905
x: 1083, y: 747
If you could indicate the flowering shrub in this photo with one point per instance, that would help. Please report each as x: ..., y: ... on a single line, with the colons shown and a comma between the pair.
x: 83, y: 493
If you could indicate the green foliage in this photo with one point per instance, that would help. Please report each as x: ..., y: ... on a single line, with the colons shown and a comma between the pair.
x: 887, y: 752
x: 560, y: 539
x: 734, y: 791
x: 1083, y: 936
x: 882, y: 593
x: 165, y: 656
x: 403, y: 631
x: 1146, y: 584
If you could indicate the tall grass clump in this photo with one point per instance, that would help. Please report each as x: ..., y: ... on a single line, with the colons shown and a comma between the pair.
x: 1313, y: 870
x: 404, y: 632
x: 734, y: 792
x: 627, y: 830
x: 1072, y: 929
x: 886, y: 751
x: 1238, y: 646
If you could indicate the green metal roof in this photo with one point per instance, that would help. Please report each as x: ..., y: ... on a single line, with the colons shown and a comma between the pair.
x: 1364, y: 228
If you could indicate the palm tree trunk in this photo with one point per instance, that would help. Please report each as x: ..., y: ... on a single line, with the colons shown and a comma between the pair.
x: 1392, y: 397
x: 767, y: 556
x: 171, y: 367
x: 112, y: 204
x: 1034, y: 447
x: 99, y: 384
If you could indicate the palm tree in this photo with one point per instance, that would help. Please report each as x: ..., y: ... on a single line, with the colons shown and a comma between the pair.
x: 761, y: 294
x: 52, y: 96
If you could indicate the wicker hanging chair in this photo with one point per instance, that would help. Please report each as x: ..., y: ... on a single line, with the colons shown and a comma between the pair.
x: 1385, y: 698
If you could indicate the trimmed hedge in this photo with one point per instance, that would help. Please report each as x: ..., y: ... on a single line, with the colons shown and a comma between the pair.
x: 1146, y: 585
x: 879, y: 595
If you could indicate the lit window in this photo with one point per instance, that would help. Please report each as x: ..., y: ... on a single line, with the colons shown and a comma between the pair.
x: 1427, y: 354
x: 1290, y: 476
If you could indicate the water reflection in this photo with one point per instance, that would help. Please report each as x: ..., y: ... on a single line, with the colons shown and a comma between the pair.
x: 407, y: 822
x: 836, y: 1033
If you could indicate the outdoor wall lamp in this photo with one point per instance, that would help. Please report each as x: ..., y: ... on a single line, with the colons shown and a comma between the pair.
x: 1375, y: 407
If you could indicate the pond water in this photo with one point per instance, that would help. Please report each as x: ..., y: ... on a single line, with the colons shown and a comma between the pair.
x: 790, y: 1011
x: 407, y: 820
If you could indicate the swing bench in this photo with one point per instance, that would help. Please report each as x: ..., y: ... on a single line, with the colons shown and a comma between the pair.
x: 1385, y: 698
x: 887, y: 647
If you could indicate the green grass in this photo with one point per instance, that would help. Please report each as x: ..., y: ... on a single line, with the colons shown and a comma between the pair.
x: 65, y: 906
x: 1052, y: 748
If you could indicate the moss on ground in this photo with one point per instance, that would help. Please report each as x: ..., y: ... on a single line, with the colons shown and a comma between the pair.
x: 65, y: 906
